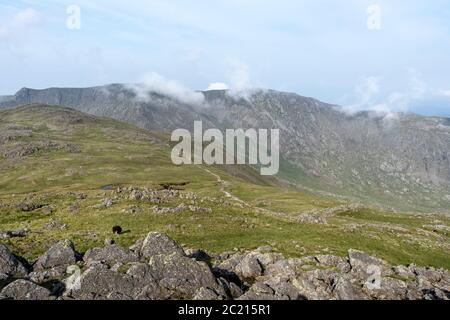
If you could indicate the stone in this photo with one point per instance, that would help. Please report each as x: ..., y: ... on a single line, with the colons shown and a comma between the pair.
x: 55, y: 224
x: 21, y: 232
x: 335, y: 262
x: 344, y: 289
x: 207, y: 294
x: 232, y: 289
x: 43, y: 276
x: 110, y: 255
x: 316, y: 284
x: 390, y: 289
x: 156, y: 243
x: 109, y: 242
x: 99, y: 283
x: 25, y: 290
x: 182, y: 276
x: 198, y: 255
x: 10, y: 265
x: 281, y: 269
x: 61, y: 254
x: 249, y: 267
x: 272, y: 290
x: 365, y: 264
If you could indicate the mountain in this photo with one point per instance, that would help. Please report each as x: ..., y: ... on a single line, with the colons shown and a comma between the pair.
x: 399, y: 162
x: 65, y: 174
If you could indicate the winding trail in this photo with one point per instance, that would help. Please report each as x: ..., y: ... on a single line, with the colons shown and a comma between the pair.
x: 228, y: 195
x: 223, y: 185
x: 321, y: 213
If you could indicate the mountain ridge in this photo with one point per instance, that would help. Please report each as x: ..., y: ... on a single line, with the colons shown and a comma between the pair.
x: 401, y: 163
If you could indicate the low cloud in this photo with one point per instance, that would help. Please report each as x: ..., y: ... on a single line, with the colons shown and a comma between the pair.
x: 217, y: 86
x: 369, y: 96
x: 19, y: 23
x: 241, y: 86
x: 443, y: 93
x: 155, y: 83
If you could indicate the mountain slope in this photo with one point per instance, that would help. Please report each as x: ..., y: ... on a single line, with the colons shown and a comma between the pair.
x: 69, y: 175
x: 401, y: 163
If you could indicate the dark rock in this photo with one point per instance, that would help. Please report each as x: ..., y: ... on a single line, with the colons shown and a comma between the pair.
x: 362, y: 262
x: 182, y: 276
x: 18, y: 233
x: 110, y: 255
x: 272, y: 290
x: 207, y: 294
x: 99, y: 283
x: 9, y: 264
x: 157, y: 243
x: 62, y: 254
x: 25, y: 290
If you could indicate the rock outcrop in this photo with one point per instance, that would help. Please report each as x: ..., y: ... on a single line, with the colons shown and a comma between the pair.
x: 9, y: 264
x: 158, y: 268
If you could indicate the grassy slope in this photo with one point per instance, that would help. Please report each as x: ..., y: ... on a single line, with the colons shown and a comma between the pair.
x: 114, y: 153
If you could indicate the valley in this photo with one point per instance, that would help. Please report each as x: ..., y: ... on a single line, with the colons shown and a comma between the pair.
x: 57, y: 161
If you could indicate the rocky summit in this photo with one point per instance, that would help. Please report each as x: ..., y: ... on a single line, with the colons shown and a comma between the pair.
x: 157, y: 267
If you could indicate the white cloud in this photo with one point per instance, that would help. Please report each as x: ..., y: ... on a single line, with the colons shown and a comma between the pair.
x: 443, y: 93
x: 3, y: 32
x: 26, y: 18
x: 368, y: 89
x: 153, y: 82
x: 241, y: 86
x: 369, y: 96
x: 19, y: 22
x: 217, y: 86
x: 239, y: 75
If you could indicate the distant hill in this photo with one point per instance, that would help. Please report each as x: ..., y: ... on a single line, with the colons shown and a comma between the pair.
x: 401, y: 163
x: 65, y: 174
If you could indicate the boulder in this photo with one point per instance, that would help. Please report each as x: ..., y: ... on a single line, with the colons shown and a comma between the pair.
x: 272, y: 290
x: 43, y: 276
x: 333, y: 261
x: 100, y: 283
x: 344, y: 289
x: 148, y: 286
x: 61, y: 254
x: 316, y: 284
x: 232, y: 289
x: 21, y: 232
x: 25, y: 290
x: 366, y: 265
x: 249, y: 267
x: 182, y: 276
x: 110, y: 255
x: 9, y: 264
x: 156, y: 243
x: 390, y: 289
x: 207, y: 294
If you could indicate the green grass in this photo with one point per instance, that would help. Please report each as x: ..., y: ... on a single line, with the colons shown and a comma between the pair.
x: 113, y: 153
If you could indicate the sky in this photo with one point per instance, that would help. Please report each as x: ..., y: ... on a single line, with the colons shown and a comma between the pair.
x: 379, y: 55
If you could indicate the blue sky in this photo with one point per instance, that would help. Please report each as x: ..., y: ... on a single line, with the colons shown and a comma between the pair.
x: 320, y: 48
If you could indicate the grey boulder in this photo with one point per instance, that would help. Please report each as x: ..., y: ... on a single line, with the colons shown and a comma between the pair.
x: 62, y: 254
x: 25, y: 290
x: 110, y: 255
x: 9, y: 264
x: 156, y: 243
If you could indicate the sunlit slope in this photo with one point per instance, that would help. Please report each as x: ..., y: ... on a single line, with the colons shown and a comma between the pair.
x: 60, y: 170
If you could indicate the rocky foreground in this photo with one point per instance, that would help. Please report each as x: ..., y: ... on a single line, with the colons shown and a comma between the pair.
x: 159, y: 268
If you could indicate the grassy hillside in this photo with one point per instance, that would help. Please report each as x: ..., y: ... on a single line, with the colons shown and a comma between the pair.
x: 64, y: 174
